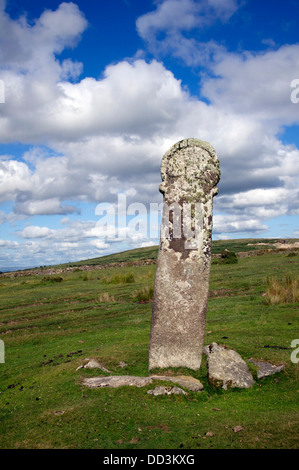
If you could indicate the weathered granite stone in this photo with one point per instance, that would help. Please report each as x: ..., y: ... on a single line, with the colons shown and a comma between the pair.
x: 92, y: 364
x: 185, y: 381
x: 190, y: 172
x: 226, y: 368
x: 123, y: 364
x: 265, y: 368
x: 237, y: 428
x: 166, y: 391
x: 116, y: 381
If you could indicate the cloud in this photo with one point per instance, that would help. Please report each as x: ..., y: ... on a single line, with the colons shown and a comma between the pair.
x: 100, y: 244
x: 31, y: 48
x: 35, y: 232
x: 14, y: 177
x: 255, y: 84
x: 2, y: 217
x: 165, y: 28
x: 107, y: 133
x: 173, y: 16
x: 8, y: 244
x: 76, y: 240
x: 102, y: 148
x: 43, y: 207
x: 132, y: 98
x: 41, y: 245
x: 262, y: 202
x: 235, y: 224
x: 92, y: 138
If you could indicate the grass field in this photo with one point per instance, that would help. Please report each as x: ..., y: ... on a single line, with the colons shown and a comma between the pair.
x: 51, y: 323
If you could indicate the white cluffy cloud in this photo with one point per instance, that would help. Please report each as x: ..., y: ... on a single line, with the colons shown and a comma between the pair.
x: 163, y: 29
x: 92, y: 138
x: 257, y: 85
x: 31, y: 48
x: 184, y: 15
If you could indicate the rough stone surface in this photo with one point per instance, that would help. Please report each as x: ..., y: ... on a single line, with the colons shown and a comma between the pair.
x: 238, y: 428
x: 265, y: 368
x: 166, y: 391
x: 226, y: 368
x: 93, y: 364
x: 116, y: 381
x: 123, y: 364
x: 190, y: 172
x: 185, y: 381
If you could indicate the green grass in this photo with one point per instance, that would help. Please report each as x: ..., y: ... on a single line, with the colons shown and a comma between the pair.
x: 50, y: 327
x: 127, y: 278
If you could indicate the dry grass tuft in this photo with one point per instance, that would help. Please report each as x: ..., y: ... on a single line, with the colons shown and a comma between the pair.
x: 284, y: 291
x: 145, y: 294
x: 106, y: 298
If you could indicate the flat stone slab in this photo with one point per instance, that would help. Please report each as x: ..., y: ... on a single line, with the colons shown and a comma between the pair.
x: 185, y: 381
x: 226, y: 368
x: 116, y: 381
x: 166, y: 391
x: 265, y: 368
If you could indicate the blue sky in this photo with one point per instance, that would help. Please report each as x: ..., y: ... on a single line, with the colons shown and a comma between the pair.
x: 96, y: 92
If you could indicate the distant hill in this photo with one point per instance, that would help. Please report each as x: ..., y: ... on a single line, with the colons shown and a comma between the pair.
x: 150, y: 252
x: 6, y: 269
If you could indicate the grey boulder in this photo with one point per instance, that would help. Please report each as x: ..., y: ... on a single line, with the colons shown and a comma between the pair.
x: 226, y: 368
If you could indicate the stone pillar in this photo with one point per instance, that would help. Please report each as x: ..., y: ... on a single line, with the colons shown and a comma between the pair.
x: 190, y: 172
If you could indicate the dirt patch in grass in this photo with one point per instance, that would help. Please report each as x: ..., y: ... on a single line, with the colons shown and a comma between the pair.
x: 228, y: 293
x: 221, y: 293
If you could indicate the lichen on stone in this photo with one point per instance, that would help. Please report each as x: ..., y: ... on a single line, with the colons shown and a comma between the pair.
x: 190, y: 173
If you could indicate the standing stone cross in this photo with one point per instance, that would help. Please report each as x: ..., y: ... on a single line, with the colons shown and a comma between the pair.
x: 190, y: 172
